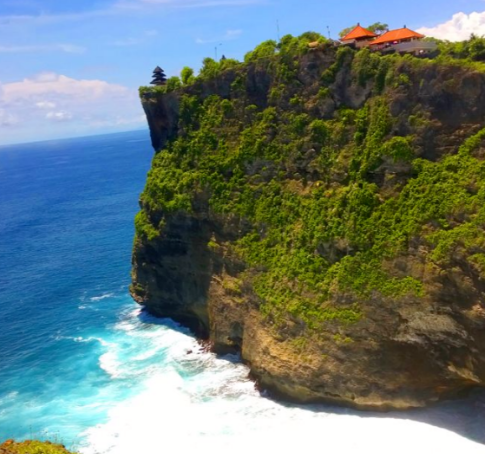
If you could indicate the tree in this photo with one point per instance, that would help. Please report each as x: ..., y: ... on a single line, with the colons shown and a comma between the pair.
x: 173, y: 83
x: 378, y: 28
x: 346, y: 31
x: 472, y: 49
x: 187, y: 75
x: 265, y: 50
x: 476, y: 48
x: 210, y: 68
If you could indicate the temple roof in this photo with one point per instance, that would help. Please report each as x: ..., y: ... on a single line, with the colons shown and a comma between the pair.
x: 357, y: 33
x: 396, y: 35
x: 158, y: 70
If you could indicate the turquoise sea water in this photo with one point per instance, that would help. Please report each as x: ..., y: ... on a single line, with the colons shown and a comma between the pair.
x: 80, y: 363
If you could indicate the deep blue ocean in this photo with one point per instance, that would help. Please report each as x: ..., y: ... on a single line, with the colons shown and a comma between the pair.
x: 81, y: 364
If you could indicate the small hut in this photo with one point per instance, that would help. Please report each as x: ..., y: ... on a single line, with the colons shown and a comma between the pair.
x: 159, y: 77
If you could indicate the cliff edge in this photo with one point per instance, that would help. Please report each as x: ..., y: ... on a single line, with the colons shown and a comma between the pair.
x: 322, y: 212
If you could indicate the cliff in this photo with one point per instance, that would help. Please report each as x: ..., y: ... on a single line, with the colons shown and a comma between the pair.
x: 322, y: 212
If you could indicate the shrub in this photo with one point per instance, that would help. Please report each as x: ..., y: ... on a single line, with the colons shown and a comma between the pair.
x: 187, y: 75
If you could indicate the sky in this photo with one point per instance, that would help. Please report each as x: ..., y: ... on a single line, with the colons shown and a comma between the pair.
x: 72, y: 67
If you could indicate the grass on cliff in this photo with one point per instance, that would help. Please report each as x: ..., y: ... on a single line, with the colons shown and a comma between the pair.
x: 32, y: 447
x: 312, y: 188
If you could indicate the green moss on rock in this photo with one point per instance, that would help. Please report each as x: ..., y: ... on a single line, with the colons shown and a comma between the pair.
x: 32, y: 447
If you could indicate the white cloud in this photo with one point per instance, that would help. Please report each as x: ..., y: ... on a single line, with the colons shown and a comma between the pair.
x: 64, y: 106
x: 59, y: 116
x: 7, y: 119
x: 48, y: 19
x: 228, y: 36
x: 68, y: 48
x: 458, y: 28
x: 61, y: 86
x: 45, y: 105
x: 143, y: 4
x: 127, y: 42
x: 120, y: 121
x: 118, y: 7
x: 130, y: 41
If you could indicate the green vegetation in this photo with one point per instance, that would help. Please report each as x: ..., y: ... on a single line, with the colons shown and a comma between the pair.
x: 472, y: 49
x: 324, y: 222
x: 187, y: 75
x: 32, y: 447
x: 377, y: 27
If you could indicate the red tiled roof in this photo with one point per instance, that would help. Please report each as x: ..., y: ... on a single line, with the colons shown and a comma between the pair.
x: 396, y: 35
x: 358, y: 32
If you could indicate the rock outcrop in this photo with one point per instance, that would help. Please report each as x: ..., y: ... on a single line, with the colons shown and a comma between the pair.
x: 377, y: 315
x: 32, y: 446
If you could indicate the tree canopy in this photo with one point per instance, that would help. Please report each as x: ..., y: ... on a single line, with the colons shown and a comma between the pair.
x: 377, y: 27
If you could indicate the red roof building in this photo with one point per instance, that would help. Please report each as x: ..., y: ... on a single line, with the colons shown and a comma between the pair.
x: 359, y: 36
x: 358, y: 33
x: 397, y: 36
x: 404, y: 40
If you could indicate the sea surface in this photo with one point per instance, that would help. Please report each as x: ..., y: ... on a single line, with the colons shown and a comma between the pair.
x: 80, y: 363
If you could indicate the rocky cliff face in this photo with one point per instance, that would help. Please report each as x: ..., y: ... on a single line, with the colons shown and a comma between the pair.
x: 323, y: 215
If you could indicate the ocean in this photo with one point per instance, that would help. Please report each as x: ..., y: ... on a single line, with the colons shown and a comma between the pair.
x: 81, y: 364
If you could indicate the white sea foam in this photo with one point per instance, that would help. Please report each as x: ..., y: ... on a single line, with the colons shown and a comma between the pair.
x: 197, y: 402
x: 82, y: 339
x: 110, y: 363
x: 101, y: 297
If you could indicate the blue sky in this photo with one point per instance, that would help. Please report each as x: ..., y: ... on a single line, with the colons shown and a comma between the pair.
x: 71, y: 67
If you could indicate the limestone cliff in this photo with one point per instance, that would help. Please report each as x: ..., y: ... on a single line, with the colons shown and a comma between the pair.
x: 322, y: 212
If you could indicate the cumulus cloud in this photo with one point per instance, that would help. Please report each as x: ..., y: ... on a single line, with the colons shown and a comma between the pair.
x: 61, y: 86
x: 50, y: 105
x: 458, y: 28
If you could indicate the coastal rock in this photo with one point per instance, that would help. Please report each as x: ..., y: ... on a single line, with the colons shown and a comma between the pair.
x: 372, y: 349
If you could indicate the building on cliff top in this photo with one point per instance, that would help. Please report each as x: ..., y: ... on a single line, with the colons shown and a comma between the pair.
x: 359, y: 37
x: 403, y: 40
x: 159, y: 77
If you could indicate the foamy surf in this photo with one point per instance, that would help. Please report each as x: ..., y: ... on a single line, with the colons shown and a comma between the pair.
x: 101, y: 297
x: 191, y: 400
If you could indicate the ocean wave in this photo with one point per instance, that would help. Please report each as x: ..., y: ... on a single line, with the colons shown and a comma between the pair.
x: 167, y: 412
x: 110, y: 364
x: 208, y: 404
x: 101, y: 297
